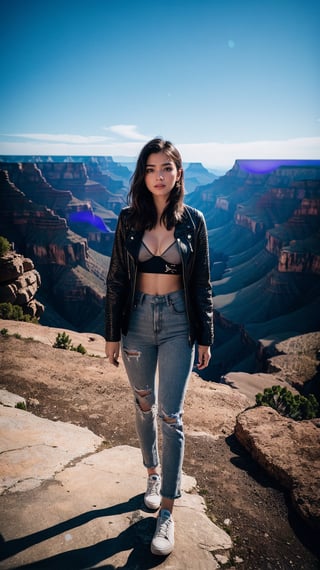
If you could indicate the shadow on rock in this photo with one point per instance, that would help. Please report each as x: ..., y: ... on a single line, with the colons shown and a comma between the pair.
x: 136, y: 538
x: 244, y: 461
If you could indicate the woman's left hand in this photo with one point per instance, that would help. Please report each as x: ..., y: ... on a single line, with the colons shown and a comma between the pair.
x: 204, y: 355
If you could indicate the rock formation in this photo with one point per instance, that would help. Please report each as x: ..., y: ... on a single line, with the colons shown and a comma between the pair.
x: 29, y: 179
x: 296, y: 361
x: 266, y: 434
x: 264, y: 236
x: 74, y: 177
x: 19, y: 283
x: 70, y: 274
x: 35, y: 229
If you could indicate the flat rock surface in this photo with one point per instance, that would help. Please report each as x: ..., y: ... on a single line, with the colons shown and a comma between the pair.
x: 69, y: 503
x: 33, y: 449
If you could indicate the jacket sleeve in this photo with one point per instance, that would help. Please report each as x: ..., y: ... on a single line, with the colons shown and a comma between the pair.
x: 117, y: 284
x: 201, y: 287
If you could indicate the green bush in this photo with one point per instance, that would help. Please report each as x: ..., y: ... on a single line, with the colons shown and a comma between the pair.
x: 4, y: 332
x: 291, y: 405
x: 64, y: 341
x: 80, y: 349
x: 4, y: 246
x: 6, y: 310
x: 15, y: 313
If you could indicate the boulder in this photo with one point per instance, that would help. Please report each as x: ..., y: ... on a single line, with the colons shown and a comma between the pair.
x: 19, y: 283
x: 266, y: 435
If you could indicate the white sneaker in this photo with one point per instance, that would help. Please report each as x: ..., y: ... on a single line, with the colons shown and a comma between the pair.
x: 163, y: 539
x: 152, y: 498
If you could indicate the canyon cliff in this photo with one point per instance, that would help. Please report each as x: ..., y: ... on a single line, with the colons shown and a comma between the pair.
x: 263, y: 225
x: 70, y: 272
x: 264, y: 234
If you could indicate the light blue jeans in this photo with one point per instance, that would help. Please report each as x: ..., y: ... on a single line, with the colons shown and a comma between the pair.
x: 157, y: 340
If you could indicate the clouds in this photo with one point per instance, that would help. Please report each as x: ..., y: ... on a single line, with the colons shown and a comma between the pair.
x: 128, y: 132
x: 223, y: 156
x: 126, y: 141
x: 62, y: 138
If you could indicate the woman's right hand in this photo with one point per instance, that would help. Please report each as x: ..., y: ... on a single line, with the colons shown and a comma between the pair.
x: 112, y: 352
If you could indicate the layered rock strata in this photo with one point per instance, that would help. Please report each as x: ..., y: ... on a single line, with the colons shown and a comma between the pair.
x: 19, y: 283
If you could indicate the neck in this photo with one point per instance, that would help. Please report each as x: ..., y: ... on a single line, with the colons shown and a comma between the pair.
x: 160, y: 205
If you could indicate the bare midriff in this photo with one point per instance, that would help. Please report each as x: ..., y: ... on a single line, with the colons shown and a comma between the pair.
x: 158, y: 284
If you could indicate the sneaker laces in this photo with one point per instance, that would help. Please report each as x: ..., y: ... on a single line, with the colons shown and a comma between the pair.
x: 153, y: 485
x: 164, y: 523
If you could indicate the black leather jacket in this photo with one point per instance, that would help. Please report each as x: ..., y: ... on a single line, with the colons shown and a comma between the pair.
x: 191, y: 236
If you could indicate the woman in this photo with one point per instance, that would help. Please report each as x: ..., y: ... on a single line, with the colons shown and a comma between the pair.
x: 158, y: 304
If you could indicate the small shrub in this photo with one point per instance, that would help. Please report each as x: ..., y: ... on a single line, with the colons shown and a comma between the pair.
x: 80, y: 349
x: 4, y: 246
x: 287, y: 404
x: 63, y: 341
x: 17, y: 335
x: 4, y: 332
x: 21, y: 406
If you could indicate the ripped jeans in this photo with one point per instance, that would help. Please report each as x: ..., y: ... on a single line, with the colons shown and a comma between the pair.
x: 157, y: 339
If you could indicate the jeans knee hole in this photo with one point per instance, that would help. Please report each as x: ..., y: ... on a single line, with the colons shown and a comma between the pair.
x: 142, y: 399
x: 174, y: 420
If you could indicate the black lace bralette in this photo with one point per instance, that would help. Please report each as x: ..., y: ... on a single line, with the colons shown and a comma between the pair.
x: 168, y: 263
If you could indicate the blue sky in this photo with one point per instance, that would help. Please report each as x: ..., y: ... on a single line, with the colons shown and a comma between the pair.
x: 222, y: 79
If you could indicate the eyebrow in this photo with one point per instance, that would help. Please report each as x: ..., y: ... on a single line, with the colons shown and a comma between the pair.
x: 164, y: 164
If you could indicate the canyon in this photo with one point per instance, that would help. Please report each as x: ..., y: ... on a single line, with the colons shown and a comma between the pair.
x: 263, y: 223
x: 59, y: 215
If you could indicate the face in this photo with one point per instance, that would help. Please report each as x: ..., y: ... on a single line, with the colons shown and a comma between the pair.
x: 161, y: 174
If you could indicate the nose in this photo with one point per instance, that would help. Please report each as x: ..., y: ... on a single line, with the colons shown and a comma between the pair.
x: 160, y: 175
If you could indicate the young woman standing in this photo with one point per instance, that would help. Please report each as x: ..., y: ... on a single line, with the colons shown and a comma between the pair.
x: 158, y: 304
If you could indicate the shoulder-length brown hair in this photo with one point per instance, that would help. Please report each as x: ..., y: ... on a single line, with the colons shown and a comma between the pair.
x: 143, y: 213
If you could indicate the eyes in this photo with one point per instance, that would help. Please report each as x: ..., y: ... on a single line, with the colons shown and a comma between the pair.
x: 150, y: 169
